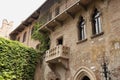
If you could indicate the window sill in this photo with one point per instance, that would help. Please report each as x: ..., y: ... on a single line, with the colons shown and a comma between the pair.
x: 81, y: 41
x: 96, y: 35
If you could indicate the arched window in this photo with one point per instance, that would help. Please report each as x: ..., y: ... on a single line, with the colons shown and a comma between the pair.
x: 24, y: 36
x: 84, y: 73
x: 96, y: 22
x: 81, y: 29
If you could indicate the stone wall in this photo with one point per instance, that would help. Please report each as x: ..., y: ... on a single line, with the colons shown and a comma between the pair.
x: 88, y: 54
x: 28, y: 41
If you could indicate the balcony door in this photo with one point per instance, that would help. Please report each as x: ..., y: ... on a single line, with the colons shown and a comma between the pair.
x: 60, y: 41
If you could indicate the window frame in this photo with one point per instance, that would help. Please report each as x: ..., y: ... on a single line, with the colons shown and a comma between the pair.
x: 96, y: 22
x: 81, y: 29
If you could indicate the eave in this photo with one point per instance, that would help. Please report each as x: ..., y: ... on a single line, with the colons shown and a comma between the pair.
x: 60, y: 18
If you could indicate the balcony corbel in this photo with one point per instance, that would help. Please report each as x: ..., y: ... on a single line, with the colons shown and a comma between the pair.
x: 51, y: 66
x: 82, y: 5
x: 64, y: 63
x: 58, y: 22
x: 70, y: 14
x: 58, y: 55
x: 49, y: 29
x: 34, y: 17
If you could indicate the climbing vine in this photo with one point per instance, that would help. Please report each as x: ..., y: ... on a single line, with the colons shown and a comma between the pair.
x: 42, y: 37
x: 17, y: 62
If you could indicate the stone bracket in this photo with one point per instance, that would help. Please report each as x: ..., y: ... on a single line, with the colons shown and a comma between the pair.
x: 70, y: 14
x: 83, y: 6
x: 58, y: 22
x: 49, y: 29
x: 64, y: 63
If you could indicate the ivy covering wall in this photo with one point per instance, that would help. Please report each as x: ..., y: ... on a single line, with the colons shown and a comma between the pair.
x: 17, y: 62
x: 42, y: 37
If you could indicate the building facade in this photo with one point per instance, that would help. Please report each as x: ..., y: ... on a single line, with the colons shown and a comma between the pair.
x: 24, y: 31
x: 84, y: 39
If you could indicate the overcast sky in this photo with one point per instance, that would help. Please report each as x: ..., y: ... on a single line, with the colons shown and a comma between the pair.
x: 18, y: 10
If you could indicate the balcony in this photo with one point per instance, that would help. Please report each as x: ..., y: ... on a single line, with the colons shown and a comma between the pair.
x: 57, y: 54
x: 70, y: 11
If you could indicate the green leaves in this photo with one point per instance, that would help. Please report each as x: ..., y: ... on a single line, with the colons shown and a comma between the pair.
x: 42, y: 37
x: 17, y: 62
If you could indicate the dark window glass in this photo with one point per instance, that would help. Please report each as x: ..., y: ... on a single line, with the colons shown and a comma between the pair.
x: 57, y: 79
x: 81, y: 29
x: 18, y: 39
x: 96, y: 22
x: 60, y: 41
x: 86, y: 78
x: 24, y: 37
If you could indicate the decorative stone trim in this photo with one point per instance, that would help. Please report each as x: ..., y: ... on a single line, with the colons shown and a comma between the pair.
x: 84, y: 71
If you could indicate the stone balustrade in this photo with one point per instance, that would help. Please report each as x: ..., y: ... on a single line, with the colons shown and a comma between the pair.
x: 56, y: 53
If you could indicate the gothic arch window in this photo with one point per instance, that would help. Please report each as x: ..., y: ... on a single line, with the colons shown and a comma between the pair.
x: 96, y: 22
x: 81, y: 29
x: 84, y: 73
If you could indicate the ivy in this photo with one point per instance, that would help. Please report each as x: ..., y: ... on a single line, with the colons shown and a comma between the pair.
x: 42, y: 37
x: 17, y: 62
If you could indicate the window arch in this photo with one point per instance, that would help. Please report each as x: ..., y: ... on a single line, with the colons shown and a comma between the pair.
x: 84, y: 73
x: 81, y: 29
x: 96, y: 22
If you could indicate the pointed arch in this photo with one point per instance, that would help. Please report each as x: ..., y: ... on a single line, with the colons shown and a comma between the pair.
x: 84, y: 72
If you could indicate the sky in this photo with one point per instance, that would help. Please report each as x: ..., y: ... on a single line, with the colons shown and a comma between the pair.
x: 18, y: 10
